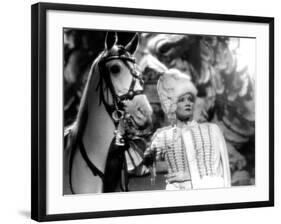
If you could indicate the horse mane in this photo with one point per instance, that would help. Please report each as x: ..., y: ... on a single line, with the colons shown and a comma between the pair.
x: 78, y: 126
x: 74, y: 133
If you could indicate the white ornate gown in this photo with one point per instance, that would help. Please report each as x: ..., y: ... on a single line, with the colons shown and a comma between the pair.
x: 196, y: 155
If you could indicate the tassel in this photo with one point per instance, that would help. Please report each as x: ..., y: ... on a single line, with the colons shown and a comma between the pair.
x: 119, y: 132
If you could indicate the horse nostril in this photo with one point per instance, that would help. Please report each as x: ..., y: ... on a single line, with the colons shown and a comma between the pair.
x: 141, y: 110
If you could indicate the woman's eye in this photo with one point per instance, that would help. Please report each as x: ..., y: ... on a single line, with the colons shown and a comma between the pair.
x: 186, y: 98
x: 191, y: 99
x: 181, y: 100
x: 114, y: 69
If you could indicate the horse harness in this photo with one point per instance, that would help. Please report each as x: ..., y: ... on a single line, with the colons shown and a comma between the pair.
x: 116, y: 112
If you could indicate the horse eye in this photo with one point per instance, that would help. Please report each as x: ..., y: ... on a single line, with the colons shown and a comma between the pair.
x: 115, y: 69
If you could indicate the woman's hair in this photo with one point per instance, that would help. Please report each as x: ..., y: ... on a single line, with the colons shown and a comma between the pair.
x: 171, y: 85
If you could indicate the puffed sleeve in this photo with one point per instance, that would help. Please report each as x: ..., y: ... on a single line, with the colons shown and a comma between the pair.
x: 224, y: 160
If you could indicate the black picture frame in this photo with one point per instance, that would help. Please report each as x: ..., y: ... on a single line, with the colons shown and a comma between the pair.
x: 39, y: 122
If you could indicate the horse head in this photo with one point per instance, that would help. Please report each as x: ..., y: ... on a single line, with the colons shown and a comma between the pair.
x: 121, y: 84
x: 113, y: 95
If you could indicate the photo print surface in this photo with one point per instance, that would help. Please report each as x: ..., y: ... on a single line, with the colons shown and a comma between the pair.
x: 155, y: 111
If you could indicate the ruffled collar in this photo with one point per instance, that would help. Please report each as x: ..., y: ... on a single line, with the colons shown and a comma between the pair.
x: 181, y: 124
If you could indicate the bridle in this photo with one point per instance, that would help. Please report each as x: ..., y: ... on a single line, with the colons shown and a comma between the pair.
x: 115, y: 110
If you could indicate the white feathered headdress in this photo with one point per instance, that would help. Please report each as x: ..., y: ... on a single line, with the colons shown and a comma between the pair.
x: 171, y: 85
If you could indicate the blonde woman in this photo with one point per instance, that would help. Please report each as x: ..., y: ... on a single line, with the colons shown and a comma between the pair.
x: 196, y: 154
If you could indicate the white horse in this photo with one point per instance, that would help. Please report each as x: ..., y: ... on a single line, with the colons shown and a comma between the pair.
x: 113, y: 95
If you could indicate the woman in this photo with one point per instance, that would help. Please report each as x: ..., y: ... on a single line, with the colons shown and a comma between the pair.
x: 196, y: 154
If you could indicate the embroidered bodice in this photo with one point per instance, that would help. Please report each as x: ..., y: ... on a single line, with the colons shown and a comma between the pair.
x: 193, y: 151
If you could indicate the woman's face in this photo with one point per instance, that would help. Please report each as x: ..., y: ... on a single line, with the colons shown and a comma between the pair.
x: 185, y: 107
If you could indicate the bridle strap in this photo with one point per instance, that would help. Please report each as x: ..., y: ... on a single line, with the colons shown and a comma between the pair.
x: 117, y: 106
x: 131, y: 92
x: 118, y: 100
x: 92, y: 167
x: 122, y: 57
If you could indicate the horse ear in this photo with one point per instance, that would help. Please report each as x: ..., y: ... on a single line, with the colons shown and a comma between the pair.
x: 110, y: 39
x: 133, y: 44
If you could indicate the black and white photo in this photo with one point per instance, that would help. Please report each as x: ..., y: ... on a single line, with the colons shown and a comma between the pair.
x: 100, y: 74
x: 139, y: 111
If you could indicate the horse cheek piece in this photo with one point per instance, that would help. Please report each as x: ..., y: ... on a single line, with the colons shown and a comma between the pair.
x: 117, y: 115
x: 97, y: 141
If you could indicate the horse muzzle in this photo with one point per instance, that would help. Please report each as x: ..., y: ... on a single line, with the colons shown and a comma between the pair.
x: 139, y: 111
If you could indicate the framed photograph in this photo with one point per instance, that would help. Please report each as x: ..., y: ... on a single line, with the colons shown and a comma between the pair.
x: 139, y: 111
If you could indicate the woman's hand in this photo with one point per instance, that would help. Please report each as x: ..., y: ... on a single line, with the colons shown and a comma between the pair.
x: 178, y: 177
